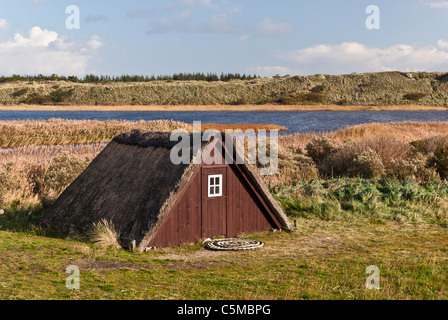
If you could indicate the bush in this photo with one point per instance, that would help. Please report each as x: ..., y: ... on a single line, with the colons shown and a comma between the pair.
x: 414, y: 169
x: 292, y: 168
x: 430, y: 145
x: 37, y: 99
x: 367, y: 165
x: 303, y: 98
x: 414, y: 96
x: 386, y: 147
x: 241, y: 101
x: 60, y: 95
x: 320, y: 149
x: 318, y: 89
x: 443, y: 77
x: 64, y: 168
x: 440, y: 161
x: 19, y: 92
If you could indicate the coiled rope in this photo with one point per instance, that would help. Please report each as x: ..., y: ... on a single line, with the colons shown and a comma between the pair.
x: 232, y: 244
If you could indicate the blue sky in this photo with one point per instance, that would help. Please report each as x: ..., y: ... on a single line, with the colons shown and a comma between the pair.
x: 246, y: 36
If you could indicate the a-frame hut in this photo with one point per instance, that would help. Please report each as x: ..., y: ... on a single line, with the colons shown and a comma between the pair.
x: 134, y: 184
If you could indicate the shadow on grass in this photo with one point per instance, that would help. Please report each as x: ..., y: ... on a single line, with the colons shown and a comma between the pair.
x: 27, y: 220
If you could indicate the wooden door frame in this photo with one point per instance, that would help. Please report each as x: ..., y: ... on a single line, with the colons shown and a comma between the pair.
x: 206, y: 198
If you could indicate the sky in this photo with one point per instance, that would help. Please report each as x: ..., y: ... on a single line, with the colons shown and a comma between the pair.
x: 265, y: 37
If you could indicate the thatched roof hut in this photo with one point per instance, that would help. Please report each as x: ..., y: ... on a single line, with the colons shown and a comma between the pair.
x: 134, y: 184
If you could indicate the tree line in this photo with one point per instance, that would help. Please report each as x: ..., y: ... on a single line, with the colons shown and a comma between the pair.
x: 92, y: 78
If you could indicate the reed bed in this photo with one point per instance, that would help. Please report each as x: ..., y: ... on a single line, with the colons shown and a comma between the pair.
x: 404, y: 131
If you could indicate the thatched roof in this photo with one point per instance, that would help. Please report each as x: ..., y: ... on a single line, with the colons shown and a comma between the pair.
x: 134, y: 184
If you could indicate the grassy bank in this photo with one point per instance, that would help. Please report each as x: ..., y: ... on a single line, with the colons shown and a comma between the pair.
x: 320, y: 260
x: 350, y: 91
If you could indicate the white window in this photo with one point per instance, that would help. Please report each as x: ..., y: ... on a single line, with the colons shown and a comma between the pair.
x: 215, y: 186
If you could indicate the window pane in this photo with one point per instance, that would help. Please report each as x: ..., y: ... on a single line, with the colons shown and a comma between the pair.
x: 217, y: 190
x: 212, y: 190
x: 216, y: 180
x: 211, y: 181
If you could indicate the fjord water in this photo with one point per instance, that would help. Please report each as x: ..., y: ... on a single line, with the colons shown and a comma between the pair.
x: 295, y: 121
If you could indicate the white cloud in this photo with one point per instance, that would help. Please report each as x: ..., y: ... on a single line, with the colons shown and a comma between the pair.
x: 268, y: 27
x: 437, y: 5
x: 4, y: 24
x: 350, y: 57
x: 442, y: 44
x: 95, y: 43
x: 45, y: 52
x: 243, y: 38
x: 269, y: 71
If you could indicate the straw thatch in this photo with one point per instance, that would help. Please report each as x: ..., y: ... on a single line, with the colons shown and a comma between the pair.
x: 133, y: 184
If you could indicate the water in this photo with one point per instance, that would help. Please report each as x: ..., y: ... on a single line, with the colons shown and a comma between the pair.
x: 295, y: 121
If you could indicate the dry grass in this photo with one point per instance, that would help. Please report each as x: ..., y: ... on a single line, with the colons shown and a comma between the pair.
x: 104, y: 235
x: 64, y: 132
x: 403, y: 131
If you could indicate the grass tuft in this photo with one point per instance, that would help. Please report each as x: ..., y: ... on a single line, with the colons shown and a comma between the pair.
x: 104, y: 235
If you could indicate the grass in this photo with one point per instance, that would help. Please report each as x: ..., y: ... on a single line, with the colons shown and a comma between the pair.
x: 376, y: 200
x: 361, y: 90
x: 319, y: 260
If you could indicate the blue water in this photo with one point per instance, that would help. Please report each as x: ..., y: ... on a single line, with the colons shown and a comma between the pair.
x: 295, y: 121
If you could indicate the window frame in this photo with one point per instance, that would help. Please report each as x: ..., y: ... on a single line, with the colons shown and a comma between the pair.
x: 209, y: 185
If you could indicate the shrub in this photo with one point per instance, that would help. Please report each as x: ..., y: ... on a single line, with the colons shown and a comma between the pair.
x: 292, y: 168
x: 430, y: 145
x: 343, y: 102
x: 440, y: 161
x: 37, y: 99
x: 318, y: 89
x: 414, y: 169
x: 320, y: 148
x: 302, y: 98
x: 64, y: 168
x: 241, y: 101
x: 414, y: 96
x: 19, y: 92
x: 443, y: 77
x: 367, y: 165
x: 386, y: 147
x: 60, y: 95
